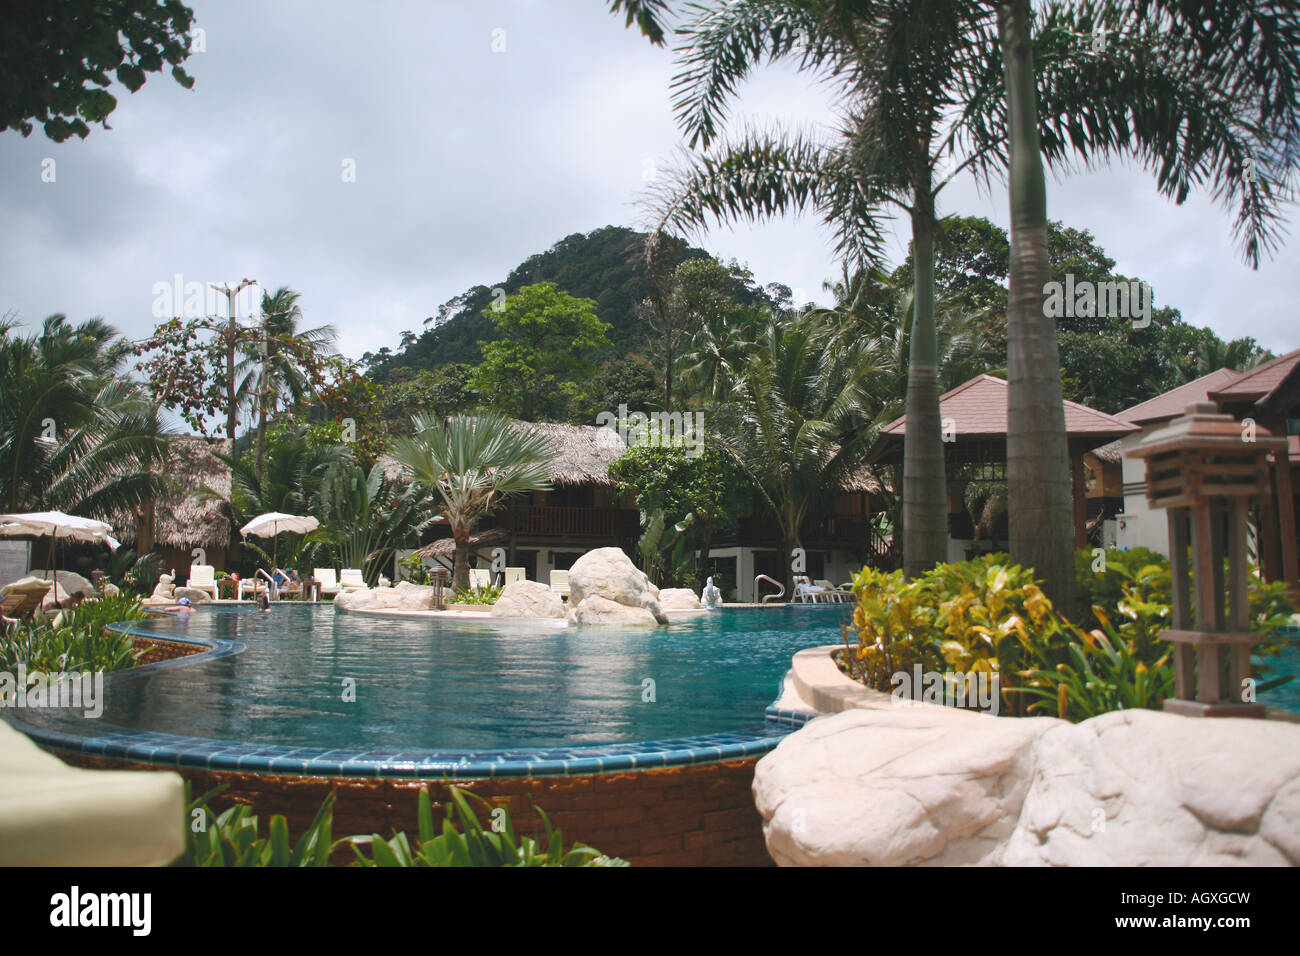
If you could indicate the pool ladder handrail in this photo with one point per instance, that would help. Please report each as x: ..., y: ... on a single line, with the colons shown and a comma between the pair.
x: 769, y: 597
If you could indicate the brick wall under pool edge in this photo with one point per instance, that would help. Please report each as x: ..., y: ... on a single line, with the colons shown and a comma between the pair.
x: 701, y: 815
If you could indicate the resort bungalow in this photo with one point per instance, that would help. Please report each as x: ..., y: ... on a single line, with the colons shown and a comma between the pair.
x: 1268, y: 396
x: 974, y: 417
x: 177, y: 523
x: 549, y: 530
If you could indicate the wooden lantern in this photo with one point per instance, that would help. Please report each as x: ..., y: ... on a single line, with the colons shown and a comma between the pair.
x: 1204, y: 469
x: 439, y: 588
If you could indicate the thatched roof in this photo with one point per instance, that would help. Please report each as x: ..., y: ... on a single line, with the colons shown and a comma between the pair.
x: 1110, y: 452
x: 180, y: 519
x: 446, y: 547
x: 862, y: 478
x: 582, y: 453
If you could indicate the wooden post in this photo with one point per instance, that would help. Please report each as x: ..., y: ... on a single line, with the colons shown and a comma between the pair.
x: 1080, y: 498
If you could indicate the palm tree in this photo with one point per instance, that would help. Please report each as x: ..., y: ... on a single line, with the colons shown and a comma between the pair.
x: 795, y: 421
x: 273, y: 364
x: 75, y: 434
x: 1198, y: 95
x: 902, y: 70
x: 364, y: 517
x: 471, y: 465
x: 289, y: 482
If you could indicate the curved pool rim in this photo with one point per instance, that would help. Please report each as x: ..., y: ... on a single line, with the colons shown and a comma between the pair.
x: 201, y: 753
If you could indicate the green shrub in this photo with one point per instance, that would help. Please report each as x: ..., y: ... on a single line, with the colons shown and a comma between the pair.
x: 989, y: 615
x: 475, y: 845
x: 982, y: 615
x: 232, y: 839
x: 476, y: 596
x: 74, y: 639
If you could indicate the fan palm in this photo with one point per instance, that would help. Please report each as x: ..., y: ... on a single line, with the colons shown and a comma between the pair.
x: 471, y: 464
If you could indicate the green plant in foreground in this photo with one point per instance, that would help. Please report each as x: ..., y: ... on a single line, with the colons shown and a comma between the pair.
x: 74, y: 640
x: 1103, y: 674
x: 474, y: 845
x: 476, y: 596
x: 232, y: 838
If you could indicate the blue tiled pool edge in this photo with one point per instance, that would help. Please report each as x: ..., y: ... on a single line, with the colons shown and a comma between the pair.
x: 178, y: 751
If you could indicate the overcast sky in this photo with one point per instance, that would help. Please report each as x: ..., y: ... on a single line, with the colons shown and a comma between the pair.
x: 466, y: 161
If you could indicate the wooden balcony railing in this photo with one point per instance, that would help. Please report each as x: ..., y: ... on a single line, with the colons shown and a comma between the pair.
x: 557, y: 522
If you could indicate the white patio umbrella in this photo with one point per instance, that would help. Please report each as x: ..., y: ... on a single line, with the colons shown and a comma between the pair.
x: 54, y: 525
x: 272, y: 523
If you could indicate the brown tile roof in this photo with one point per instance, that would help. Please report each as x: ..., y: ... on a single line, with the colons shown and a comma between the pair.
x: 979, y: 408
x: 1259, y: 384
x: 1174, y: 402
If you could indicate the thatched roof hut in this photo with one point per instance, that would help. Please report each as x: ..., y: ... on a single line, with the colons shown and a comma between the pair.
x: 181, y: 520
x: 582, y: 453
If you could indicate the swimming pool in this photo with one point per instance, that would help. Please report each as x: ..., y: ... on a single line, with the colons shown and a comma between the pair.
x: 306, y: 689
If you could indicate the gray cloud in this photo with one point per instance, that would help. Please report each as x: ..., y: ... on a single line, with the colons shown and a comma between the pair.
x: 467, y: 161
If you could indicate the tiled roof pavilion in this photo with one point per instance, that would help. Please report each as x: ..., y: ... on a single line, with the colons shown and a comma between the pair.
x: 979, y: 410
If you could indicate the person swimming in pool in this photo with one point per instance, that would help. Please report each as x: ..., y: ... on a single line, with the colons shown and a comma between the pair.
x: 263, y: 601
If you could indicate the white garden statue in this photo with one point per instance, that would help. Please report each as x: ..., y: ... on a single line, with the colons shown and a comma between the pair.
x: 711, y: 597
x: 164, y: 590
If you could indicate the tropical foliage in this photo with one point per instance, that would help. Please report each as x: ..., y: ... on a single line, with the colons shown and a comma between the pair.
x: 75, y: 435
x: 471, y: 465
x: 233, y: 839
x: 73, y: 640
x: 988, y: 615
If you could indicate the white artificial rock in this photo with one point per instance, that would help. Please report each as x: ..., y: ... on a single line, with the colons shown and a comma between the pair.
x: 528, y: 599
x: 405, y: 597
x: 679, y: 599
x: 196, y: 595
x: 598, y: 610
x: 608, y: 573
x: 931, y: 785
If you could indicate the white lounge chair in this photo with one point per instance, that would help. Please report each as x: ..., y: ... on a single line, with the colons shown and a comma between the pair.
x: 327, y: 581
x: 351, y: 580
x: 833, y: 594
x: 249, y: 586
x: 511, y: 575
x: 203, y: 577
x: 805, y: 592
x: 560, y: 583
x: 480, y: 578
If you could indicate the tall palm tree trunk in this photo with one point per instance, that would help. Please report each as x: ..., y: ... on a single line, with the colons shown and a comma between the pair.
x: 460, y: 562
x: 1041, y: 515
x: 925, y: 489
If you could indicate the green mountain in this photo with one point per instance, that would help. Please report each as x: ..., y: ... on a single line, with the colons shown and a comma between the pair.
x: 606, y: 265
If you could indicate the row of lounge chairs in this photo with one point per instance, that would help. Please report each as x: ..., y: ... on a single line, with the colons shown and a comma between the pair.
x: 821, y: 591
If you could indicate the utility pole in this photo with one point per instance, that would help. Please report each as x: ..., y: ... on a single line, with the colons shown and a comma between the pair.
x: 231, y: 339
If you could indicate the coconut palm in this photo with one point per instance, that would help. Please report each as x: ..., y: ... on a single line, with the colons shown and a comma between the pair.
x: 796, y: 419
x: 471, y: 464
x: 1199, y: 95
x: 274, y: 360
x: 74, y: 434
x: 901, y: 70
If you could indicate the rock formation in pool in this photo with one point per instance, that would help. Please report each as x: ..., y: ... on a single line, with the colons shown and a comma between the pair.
x: 605, y: 587
x: 528, y: 599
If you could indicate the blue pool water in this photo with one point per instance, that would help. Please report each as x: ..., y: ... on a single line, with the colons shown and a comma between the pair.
x: 280, y: 681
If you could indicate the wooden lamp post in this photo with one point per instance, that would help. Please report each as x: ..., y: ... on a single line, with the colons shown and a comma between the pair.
x: 1203, y: 469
